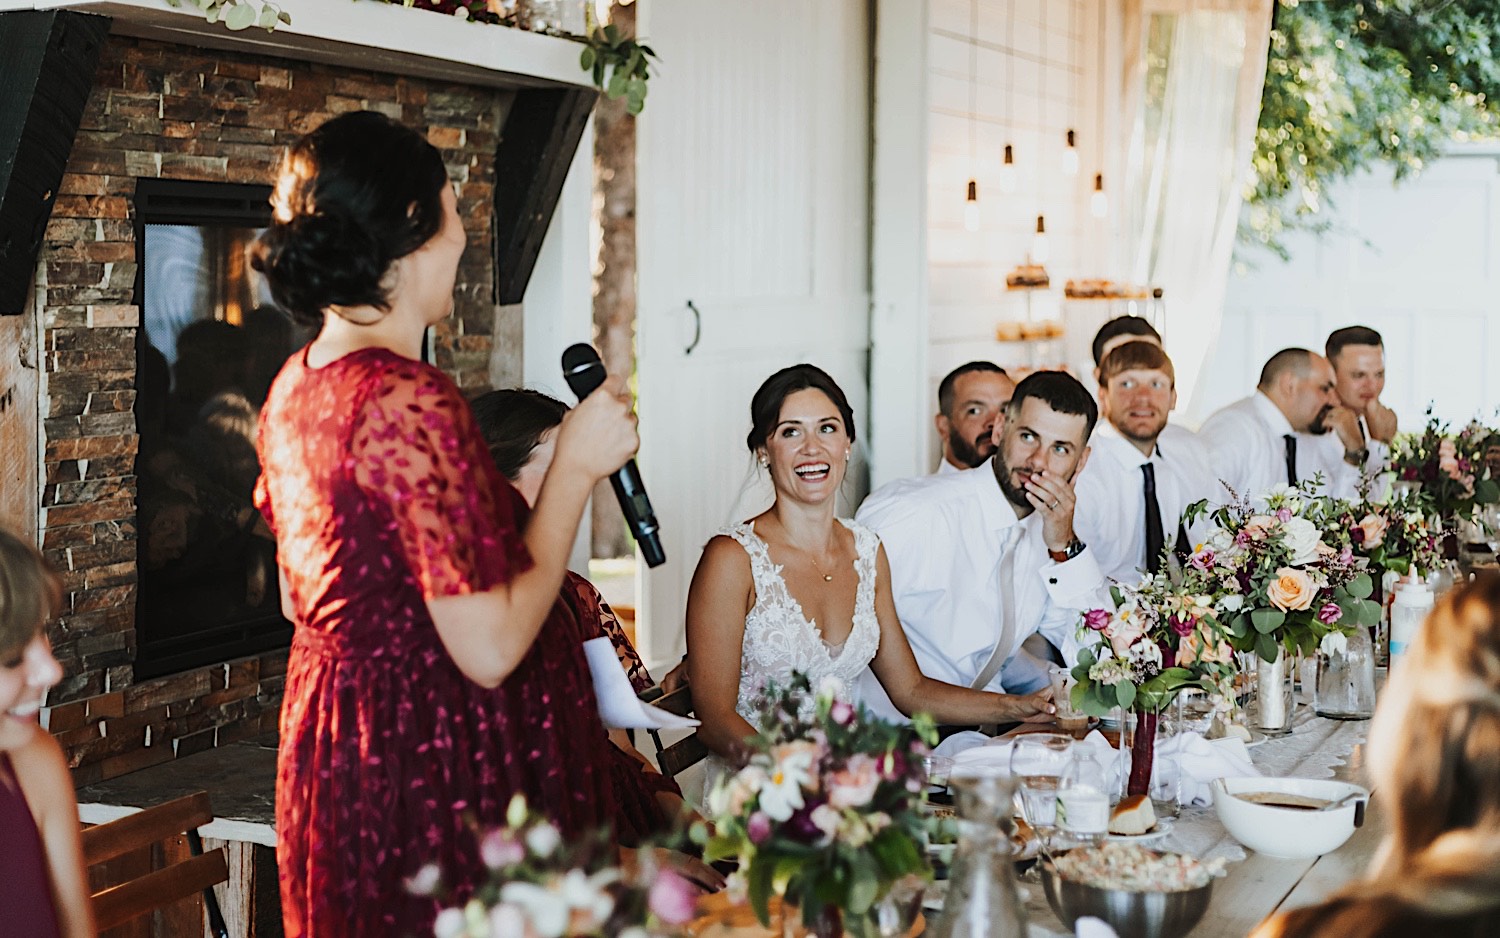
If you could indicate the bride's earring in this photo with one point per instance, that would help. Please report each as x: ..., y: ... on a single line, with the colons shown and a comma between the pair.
x: 765, y: 461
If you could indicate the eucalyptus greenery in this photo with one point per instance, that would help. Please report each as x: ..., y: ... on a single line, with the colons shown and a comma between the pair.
x: 240, y: 14
x: 627, y: 61
x: 1353, y: 84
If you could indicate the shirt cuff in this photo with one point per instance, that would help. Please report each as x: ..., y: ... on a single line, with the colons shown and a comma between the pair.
x: 1073, y: 583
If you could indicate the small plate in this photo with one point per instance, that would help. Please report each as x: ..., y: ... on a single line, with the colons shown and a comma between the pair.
x: 1163, y: 828
x: 1256, y: 738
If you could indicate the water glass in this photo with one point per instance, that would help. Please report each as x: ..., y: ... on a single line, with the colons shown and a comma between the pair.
x: 1069, y: 720
x: 1038, y: 761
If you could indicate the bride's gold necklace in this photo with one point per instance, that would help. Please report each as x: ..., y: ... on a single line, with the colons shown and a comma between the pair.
x: 827, y: 577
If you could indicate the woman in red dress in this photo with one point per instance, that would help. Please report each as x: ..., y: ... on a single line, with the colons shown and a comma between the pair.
x: 434, y: 671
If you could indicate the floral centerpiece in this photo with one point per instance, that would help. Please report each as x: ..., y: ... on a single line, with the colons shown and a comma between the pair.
x: 1161, y: 636
x: 1297, y: 590
x: 540, y: 885
x: 826, y: 813
x: 1450, y: 468
x: 1395, y: 535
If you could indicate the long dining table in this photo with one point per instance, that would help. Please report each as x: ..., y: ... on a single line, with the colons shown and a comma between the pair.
x: 1258, y: 886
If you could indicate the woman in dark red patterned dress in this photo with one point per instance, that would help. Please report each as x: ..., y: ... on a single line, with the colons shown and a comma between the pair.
x: 434, y: 671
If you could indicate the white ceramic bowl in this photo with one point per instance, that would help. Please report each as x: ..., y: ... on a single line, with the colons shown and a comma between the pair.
x: 1289, y: 833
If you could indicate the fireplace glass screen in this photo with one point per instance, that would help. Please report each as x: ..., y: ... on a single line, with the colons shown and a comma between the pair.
x: 209, y: 345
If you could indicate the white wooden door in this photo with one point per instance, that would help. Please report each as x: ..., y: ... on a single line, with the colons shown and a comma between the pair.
x: 753, y: 159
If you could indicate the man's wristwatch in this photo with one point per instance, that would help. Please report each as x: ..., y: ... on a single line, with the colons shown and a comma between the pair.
x: 1073, y: 549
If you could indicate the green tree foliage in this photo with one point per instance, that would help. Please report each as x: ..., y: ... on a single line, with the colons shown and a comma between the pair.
x: 1352, y: 84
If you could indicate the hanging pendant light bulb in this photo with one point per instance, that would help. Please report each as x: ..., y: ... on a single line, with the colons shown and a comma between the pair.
x: 971, y: 207
x: 1099, y: 203
x: 1070, y: 157
x: 1040, y: 249
x: 1008, y: 171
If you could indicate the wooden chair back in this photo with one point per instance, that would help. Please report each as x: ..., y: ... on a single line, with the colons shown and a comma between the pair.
x: 114, y: 905
x: 687, y: 751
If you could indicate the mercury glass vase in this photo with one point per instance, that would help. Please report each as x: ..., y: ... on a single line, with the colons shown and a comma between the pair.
x: 1273, y: 693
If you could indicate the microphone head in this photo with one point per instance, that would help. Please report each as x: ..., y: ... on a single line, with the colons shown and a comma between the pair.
x: 582, y: 369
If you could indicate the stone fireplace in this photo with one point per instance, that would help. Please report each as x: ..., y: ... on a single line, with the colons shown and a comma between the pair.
x: 165, y: 110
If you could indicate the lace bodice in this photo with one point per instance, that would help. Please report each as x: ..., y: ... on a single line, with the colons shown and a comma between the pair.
x: 780, y: 639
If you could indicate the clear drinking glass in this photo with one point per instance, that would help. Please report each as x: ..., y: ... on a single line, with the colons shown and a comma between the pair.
x: 1070, y: 721
x: 1039, y: 761
x: 982, y: 901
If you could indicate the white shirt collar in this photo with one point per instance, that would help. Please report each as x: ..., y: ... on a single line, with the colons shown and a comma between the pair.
x: 1271, y: 414
x: 1109, y: 440
x: 999, y: 513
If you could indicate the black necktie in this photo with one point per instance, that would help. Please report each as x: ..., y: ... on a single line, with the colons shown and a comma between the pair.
x: 1291, y: 458
x: 1154, y: 537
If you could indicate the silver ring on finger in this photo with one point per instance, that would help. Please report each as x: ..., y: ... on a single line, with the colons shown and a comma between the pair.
x: 1054, y: 504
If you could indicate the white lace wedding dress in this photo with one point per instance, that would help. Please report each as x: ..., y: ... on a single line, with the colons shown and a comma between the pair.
x: 780, y: 639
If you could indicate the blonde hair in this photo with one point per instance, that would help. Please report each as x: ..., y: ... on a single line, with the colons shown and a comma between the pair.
x: 30, y: 592
x: 1435, y: 759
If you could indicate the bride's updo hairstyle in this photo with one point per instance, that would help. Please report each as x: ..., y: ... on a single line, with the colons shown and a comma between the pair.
x: 351, y: 197
x: 765, y: 406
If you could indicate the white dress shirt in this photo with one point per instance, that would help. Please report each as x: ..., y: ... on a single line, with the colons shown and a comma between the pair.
x: 1111, y: 515
x: 945, y: 537
x: 1247, y: 449
x: 1327, y: 452
x: 945, y: 467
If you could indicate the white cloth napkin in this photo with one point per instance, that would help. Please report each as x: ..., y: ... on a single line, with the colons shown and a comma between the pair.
x: 1199, y: 761
x: 619, y: 707
x: 997, y: 752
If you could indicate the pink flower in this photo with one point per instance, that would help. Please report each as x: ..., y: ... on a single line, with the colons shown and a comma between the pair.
x: 1203, y: 559
x: 672, y: 898
x: 1096, y: 619
x: 1292, y: 590
x: 500, y: 849
x: 758, y: 828
x: 1283, y: 514
x: 842, y: 712
x: 1124, y: 630
x: 854, y: 785
x: 1330, y: 613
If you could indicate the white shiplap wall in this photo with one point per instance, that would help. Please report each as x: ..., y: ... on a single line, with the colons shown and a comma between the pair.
x: 1036, y: 75
x: 1418, y: 262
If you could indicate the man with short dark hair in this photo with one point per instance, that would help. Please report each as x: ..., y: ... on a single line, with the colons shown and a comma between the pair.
x: 1117, y: 332
x: 970, y: 400
x: 1131, y: 499
x: 1363, y: 425
x: 1266, y: 439
x: 981, y: 560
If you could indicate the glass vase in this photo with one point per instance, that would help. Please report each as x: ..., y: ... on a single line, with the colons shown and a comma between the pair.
x: 1346, y: 680
x: 1273, y: 692
x: 1142, y: 753
x: 982, y: 901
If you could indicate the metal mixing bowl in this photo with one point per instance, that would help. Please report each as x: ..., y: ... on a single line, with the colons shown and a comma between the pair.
x: 1131, y: 914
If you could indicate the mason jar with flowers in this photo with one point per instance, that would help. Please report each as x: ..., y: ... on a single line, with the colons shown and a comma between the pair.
x: 826, y: 814
x: 1159, y: 637
x: 1297, y: 592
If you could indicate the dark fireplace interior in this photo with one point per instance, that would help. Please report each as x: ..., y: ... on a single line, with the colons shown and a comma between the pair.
x: 209, y: 345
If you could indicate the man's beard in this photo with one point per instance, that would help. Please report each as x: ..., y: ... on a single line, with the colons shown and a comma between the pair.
x: 1319, y: 425
x: 966, y: 453
x: 1013, y: 494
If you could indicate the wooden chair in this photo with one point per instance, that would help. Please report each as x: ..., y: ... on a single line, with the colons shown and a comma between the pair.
x: 114, y: 905
x: 687, y: 751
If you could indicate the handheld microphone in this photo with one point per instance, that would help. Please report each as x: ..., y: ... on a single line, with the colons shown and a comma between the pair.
x: 584, y: 372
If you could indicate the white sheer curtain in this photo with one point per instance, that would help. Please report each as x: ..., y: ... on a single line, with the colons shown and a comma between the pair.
x: 1194, y: 70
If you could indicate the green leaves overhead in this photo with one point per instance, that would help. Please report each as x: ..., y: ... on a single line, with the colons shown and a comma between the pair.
x: 1353, y: 84
x: 624, y: 61
x: 240, y: 14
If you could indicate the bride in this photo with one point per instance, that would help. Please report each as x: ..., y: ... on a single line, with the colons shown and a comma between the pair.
x: 797, y: 588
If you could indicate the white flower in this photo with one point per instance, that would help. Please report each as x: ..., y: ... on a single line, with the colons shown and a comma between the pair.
x: 781, y: 794
x: 477, y: 919
x: 1284, y: 496
x: 545, y: 909
x: 589, y: 893
x: 1145, y: 653
x: 425, y: 881
x: 543, y: 839
x: 449, y: 924
x: 831, y: 688
x: 1231, y: 602
x: 825, y: 819
x: 1108, y: 672
x: 507, y: 919
x: 1334, y: 643
x: 1302, y: 537
x: 1220, y: 540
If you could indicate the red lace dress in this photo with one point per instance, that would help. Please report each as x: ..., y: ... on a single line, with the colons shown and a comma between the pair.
x: 382, y: 494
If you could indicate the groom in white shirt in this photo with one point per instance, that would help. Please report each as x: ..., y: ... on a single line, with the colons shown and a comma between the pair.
x: 984, y: 558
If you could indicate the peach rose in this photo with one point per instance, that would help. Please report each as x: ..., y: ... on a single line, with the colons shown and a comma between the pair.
x: 1373, y: 526
x: 1292, y: 591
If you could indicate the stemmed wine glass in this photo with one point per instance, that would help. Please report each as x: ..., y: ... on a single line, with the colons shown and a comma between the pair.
x: 1038, y: 762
